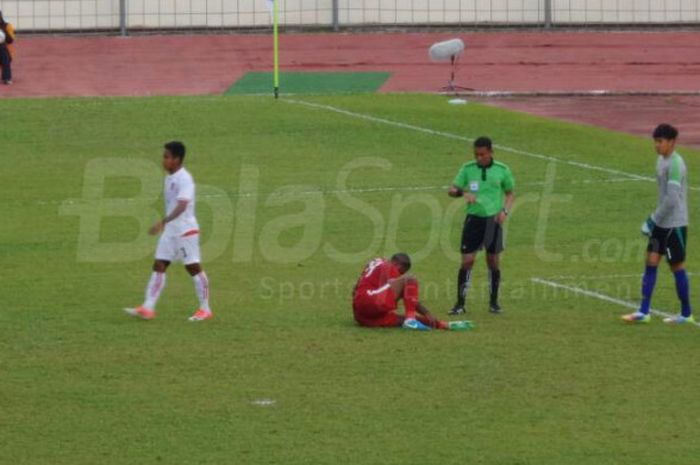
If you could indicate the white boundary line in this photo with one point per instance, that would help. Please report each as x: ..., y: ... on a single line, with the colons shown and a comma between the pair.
x: 588, y: 181
x: 359, y: 190
x: 599, y: 296
x: 626, y: 176
x: 596, y: 277
x: 576, y: 93
x: 591, y: 277
x: 450, y: 135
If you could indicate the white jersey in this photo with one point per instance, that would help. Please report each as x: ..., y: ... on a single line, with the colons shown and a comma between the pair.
x: 180, y: 186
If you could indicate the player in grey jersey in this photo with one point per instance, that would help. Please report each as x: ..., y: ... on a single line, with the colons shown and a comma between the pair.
x: 667, y: 228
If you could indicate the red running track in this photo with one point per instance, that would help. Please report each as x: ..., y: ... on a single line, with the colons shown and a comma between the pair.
x: 208, y: 64
x: 64, y: 66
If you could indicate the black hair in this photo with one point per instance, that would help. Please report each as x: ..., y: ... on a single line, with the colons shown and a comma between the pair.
x: 2, y: 20
x: 483, y: 142
x: 665, y: 131
x: 177, y: 149
x: 403, y: 260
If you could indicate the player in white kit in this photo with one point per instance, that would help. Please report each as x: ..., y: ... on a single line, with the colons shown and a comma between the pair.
x: 179, y: 237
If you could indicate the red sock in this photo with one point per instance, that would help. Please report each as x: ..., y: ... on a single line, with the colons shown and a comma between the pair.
x: 410, y: 298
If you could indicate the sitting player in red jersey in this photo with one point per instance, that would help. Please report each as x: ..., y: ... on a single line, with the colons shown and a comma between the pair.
x: 377, y: 293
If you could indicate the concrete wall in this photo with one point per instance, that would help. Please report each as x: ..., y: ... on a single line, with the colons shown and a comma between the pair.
x: 91, y: 14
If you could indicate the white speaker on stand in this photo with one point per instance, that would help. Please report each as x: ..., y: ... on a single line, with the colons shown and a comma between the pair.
x: 449, y: 50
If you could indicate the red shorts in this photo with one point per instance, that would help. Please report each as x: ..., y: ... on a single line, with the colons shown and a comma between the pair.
x: 376, y: 308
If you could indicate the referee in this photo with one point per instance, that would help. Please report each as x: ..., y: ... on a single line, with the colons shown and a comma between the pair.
x: 487, y: 186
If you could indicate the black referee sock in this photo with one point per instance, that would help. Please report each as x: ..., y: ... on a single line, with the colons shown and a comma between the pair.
x: 462, y: 285
x: 495, y: 276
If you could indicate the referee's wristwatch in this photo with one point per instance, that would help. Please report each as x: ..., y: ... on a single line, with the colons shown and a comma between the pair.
x: 505, y: 210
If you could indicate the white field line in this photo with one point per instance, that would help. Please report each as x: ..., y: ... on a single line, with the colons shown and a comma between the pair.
x: 354, y: 191
x: 573, y: 277
x: 575, y: 93
x: 570, y: 277
x: 450, y: 135
x: 627, y: 176
x: 599, y: 296
x: 251, y: 194
x: 264, y: 402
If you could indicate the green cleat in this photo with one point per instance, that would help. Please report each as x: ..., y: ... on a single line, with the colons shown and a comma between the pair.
x: 679, y: 320
x: 460, y: 325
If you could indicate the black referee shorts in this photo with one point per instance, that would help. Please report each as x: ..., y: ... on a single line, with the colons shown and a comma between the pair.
x: 482, y: 232
x: 670, y: 242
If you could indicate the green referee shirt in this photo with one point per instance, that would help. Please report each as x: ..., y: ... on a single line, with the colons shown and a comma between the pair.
x: 488, y: 184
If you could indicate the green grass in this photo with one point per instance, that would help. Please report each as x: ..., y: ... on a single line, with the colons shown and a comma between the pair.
x: 309, y: 83
x: 556, y: 380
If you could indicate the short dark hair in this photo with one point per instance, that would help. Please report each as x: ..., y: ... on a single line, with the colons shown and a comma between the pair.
x: 483, y: 142
x: 177, y: 149
x: 403, y: 260
x: 665, y: 131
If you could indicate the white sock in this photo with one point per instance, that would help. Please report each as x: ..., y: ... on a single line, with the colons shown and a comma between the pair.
x: 153, y: 290
x: 201, y: 285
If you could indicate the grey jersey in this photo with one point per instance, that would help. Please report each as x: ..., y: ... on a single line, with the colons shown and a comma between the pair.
x: 672, y: 207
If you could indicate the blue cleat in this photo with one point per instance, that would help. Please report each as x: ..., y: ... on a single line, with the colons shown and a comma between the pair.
x: 415, y: 325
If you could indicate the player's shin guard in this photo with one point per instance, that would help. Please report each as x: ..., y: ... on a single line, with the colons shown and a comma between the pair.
x: 153, y: 290
x: 201, y: 285
x: 682, y: 289
x: 495, y: 278
x: 648, y: 283
x: 463, y: 278
x: 410, y: 298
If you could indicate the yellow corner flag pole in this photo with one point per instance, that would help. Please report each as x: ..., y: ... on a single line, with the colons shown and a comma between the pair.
x: 276, y: 47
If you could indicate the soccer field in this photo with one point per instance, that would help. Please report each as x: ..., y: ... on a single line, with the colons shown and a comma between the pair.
x: 294, y: 196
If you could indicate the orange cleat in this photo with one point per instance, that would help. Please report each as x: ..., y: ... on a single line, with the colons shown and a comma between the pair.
x: 141, y: 312
x: 637, y: 317
x: 201, y: 315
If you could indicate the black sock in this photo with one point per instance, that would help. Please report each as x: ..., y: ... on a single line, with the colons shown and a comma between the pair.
x: 462, y: 285
x: 495, y: 276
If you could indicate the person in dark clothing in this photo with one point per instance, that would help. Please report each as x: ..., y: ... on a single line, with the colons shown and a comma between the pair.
x: 7, y: 51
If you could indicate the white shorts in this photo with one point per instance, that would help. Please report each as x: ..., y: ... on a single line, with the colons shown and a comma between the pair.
x: 183, y: 249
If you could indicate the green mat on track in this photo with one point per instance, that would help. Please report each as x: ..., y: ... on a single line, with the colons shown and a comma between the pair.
x: 309, y: 83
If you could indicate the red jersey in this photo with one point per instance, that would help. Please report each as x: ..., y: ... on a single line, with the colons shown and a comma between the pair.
x: 376, y: 275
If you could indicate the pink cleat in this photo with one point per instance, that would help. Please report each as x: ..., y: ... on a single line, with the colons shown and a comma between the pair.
x: 141, y: 312
x: 636, y: 317
x: 201, y: 315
